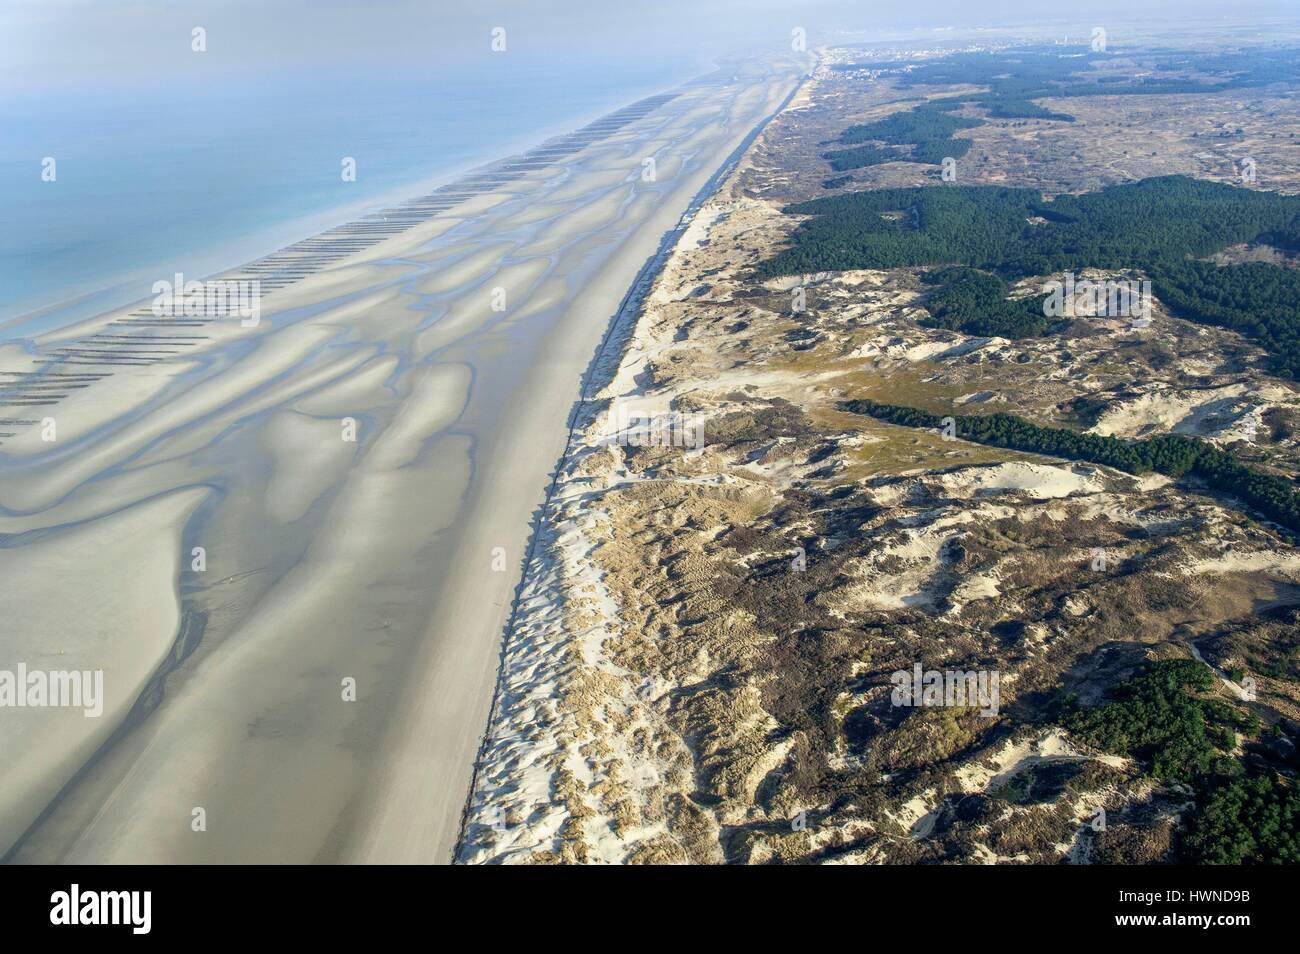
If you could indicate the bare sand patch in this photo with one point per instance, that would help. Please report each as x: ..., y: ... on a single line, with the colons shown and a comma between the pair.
x: 100, y: 596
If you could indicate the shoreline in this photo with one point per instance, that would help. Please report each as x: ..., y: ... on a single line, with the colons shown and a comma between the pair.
x: 542, y: 577
x: 114, y: 292
x: 420, y: 783
x: 327, y: 560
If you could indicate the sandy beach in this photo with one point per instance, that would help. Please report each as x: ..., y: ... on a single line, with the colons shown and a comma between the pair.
x: 292, y: 547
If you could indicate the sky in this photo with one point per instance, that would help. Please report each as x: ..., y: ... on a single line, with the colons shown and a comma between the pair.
x: 48, y: 45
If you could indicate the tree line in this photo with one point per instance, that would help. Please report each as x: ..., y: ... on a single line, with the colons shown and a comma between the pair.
x: 976, y: 303
x: 1159, y: 225
x: 926, y: 131
x: 1244, y: 812
x: 1174, y: 455
x: 1012, y: 81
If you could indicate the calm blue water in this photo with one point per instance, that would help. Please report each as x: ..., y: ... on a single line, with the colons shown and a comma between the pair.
x: 199, y: 180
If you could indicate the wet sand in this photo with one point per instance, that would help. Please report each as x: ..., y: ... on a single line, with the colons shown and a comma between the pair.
x: 389, y: 562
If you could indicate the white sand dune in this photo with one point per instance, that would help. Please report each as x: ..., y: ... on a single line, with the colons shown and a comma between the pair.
x: 1227, y: 413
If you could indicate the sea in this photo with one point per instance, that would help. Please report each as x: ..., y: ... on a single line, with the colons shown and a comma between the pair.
x: 155, y: 181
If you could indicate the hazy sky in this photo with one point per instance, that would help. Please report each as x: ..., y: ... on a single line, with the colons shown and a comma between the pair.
x: 52, y: 44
